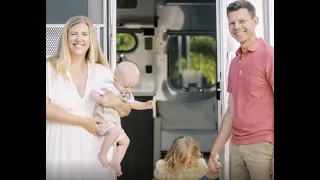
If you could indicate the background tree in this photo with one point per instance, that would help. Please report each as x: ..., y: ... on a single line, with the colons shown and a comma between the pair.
x: 202, y: 57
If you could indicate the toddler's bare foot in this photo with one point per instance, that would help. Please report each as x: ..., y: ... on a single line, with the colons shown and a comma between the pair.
x: 103, y: 160
x: 117, y: 167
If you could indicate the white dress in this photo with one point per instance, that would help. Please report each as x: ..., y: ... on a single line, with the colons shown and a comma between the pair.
x: 71, y: 151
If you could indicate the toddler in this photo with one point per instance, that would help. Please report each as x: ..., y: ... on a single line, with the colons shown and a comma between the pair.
x: 183, y: 162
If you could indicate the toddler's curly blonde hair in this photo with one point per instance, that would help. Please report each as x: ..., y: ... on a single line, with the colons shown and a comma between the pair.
x: 184, y: 150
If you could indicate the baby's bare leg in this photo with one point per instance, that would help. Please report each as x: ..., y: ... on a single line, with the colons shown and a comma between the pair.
x: 121, y: 150
x: 110, y: 137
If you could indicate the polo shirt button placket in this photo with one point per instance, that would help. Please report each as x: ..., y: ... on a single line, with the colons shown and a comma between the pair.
x: 241, y: 63
x: 240, y: 71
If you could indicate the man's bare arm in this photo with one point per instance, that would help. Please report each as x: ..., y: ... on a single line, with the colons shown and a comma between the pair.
x: 225, y: 130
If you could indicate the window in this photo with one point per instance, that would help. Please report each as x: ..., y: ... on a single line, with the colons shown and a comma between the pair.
x: 126, y: 4
x: 192, y: 61
x: 189, y: 1
x: 126, y: 42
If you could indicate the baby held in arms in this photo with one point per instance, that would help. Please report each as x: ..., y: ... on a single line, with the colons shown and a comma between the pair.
x: 126, y: 77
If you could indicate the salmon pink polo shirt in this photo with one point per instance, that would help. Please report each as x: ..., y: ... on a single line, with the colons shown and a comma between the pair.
x: 250, y: 81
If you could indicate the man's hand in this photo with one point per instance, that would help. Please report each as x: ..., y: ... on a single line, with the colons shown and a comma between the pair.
x: 213, y: 162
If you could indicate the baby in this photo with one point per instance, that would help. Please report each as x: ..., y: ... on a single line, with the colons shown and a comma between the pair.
x: 183, y: 162
x: 126, y: 77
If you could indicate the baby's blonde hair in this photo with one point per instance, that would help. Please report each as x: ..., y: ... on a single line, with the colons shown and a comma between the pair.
x: 177, y: 157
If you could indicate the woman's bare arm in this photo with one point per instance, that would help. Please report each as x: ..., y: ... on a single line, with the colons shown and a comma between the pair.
x: 58, y: 115
x: 123, y: 108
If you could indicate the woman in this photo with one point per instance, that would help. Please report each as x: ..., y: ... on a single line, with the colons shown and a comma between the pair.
x: 72, y: 141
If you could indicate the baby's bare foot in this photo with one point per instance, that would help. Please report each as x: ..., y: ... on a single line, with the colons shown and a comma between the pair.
x: 117, y: 167
x: 103, y: 160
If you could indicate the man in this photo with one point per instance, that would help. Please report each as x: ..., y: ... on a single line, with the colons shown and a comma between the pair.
x: 250, y: 114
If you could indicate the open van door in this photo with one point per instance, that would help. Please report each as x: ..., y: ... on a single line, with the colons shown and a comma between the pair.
x: 226, y: 47
x: 110, y: 20
x: 223, y: 62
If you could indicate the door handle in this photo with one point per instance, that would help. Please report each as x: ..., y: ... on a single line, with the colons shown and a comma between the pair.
x: 218, y: 90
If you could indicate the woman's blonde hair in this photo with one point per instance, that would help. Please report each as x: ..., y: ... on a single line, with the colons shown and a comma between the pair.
x: 182, y: 149
x: 61, y: 61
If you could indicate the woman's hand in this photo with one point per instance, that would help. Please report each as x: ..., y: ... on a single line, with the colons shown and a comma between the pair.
x: 91, y: 125
x: 110, y: 100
